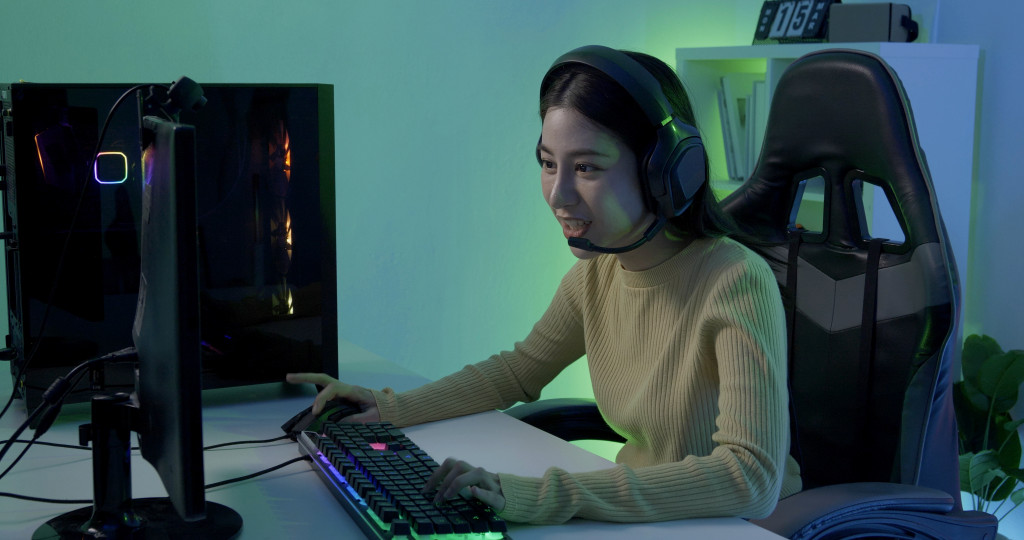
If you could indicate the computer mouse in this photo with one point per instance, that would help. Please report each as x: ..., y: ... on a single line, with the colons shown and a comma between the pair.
x: 333, y: 410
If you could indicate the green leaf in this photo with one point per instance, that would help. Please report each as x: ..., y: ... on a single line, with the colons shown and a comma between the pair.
x: 970, y: 420
x: 980, y: 470
x: 1012, y: 426
x: 965, y: 472
x: 1017, y: 496
x: 1009, y: 449
x: 1000, y: 378
x: 1000, y: 490
x: 977, y: 349
x: 1015, y: 473
x: 975, y: 397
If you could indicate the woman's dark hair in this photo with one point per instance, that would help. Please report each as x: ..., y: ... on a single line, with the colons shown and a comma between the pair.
x: 597, y: 96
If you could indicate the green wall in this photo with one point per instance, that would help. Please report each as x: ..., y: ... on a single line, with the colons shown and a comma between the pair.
x: 447, y: 252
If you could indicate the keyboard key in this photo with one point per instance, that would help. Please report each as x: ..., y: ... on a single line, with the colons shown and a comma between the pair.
x: 496, y: 524
x: 459, y: 525
x: 400, y: 527
x: 388, y: 514
x: 441, y: 525
x: 421, y: 523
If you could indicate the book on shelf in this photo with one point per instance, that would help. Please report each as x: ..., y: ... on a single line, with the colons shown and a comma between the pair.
x: 730, y: 156
x: 739, y: 108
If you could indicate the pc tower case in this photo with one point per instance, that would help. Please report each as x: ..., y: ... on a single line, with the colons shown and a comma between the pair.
x: 266, y: 203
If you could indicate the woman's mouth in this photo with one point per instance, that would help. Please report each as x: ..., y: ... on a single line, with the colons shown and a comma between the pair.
x: 574, y: 228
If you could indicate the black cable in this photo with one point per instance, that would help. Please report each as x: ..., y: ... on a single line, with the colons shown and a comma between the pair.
x: 53, y: 398
x: 67, y: 240
x: 259, y: 473
x: 236, y: 443
x: 16, y: 460
x: 10, y: 442
x: 136, y: 448
x: 45, y: 443
x: 207, y: 487
x: 44, y: 500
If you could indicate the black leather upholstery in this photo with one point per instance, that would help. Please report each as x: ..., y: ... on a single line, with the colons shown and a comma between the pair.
x: 873, y: 322
x: 883, y: 412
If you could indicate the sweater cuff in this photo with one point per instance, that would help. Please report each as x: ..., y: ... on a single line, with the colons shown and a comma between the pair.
x: 521, y: 503
x: 386, y: 405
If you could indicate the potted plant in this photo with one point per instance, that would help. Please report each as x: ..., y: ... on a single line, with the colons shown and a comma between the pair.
x: 990, y: 449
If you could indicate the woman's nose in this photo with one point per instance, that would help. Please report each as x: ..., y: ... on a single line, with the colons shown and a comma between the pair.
x: 563, y: 191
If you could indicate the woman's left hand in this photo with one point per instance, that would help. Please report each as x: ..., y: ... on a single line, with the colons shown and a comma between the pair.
x: 454, y: 476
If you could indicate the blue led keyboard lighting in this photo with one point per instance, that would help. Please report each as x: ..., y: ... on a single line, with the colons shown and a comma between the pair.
x: 377, y: 474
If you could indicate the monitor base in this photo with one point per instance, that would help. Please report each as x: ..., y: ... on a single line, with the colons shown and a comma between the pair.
x: 157, y: 520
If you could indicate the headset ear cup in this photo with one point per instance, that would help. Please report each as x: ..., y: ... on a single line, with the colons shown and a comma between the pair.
x: 688, y: 174
x: 675, y: 168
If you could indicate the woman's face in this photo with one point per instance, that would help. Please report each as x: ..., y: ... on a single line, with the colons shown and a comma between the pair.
x: 589, y: 179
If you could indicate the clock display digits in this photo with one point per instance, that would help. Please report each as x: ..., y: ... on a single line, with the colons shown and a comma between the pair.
x: 787, y: 21
x: 782, y: 16
x: 801, y: 15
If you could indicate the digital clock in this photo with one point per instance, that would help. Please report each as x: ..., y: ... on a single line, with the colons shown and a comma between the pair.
x: 783, y: 21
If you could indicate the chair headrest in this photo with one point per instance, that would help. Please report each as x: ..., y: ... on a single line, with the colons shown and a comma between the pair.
x: 844, y: 114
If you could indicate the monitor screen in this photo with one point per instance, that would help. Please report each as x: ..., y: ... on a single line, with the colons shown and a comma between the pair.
x: 265, y: 211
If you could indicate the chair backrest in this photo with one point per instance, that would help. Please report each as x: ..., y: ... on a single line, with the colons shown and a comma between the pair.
x: 873, y: 321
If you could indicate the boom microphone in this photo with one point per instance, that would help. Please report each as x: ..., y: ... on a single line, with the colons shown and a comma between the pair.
x: 583, y: 243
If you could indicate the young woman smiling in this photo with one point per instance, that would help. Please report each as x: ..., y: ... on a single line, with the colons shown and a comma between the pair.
x: 682, y: 326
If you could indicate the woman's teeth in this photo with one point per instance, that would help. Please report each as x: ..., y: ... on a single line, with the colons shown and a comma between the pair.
x: 576, y: 224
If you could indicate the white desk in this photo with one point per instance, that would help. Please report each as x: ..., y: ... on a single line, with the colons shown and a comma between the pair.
x: 292, y: 501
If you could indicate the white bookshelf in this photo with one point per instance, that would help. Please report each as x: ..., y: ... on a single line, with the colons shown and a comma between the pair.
x: 941, y: 82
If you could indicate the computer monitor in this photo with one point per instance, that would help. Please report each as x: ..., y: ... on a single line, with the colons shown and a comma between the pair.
x: 166, y: 328
x: 166, y: 409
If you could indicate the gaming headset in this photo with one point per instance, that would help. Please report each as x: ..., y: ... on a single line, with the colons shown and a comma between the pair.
x: 675, y: 166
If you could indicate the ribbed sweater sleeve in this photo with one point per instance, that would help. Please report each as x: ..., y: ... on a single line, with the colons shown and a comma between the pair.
x: 727, y: 453
x: 502, y: 380
x: 688, y: 364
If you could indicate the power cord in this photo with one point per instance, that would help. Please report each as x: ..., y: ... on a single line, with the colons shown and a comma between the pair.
x: 53, y: 399
x: 207, y: 487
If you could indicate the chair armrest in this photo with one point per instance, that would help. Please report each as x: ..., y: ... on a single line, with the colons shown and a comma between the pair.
x: 570, y: 419
x: 876, y: 509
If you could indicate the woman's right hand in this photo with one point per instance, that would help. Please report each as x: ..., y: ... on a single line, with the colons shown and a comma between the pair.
x: 335, y: 389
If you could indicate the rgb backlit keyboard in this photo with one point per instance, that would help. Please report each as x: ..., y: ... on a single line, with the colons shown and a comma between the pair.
x: 377, y: 473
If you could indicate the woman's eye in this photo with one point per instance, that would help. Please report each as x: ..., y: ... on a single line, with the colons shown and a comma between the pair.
x: 584, y: 168
x: 547, y: 164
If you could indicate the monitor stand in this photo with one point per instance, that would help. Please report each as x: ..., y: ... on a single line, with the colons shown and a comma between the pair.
x: 115, y: 514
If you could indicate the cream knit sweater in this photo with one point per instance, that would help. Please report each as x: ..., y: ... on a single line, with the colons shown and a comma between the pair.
x: 688, y: 363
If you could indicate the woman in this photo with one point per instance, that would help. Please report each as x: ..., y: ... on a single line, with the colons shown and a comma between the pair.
x: 683, y: 327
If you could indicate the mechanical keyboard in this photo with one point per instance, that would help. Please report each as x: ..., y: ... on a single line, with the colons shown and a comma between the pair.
x: 377, y: 473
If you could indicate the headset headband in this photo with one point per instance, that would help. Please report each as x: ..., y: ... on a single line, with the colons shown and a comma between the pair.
x: 634, y: 78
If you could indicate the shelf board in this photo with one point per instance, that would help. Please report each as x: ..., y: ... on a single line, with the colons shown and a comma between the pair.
x: 796, y: 50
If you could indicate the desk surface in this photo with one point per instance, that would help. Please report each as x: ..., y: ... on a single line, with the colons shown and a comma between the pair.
x: 291, y: 500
